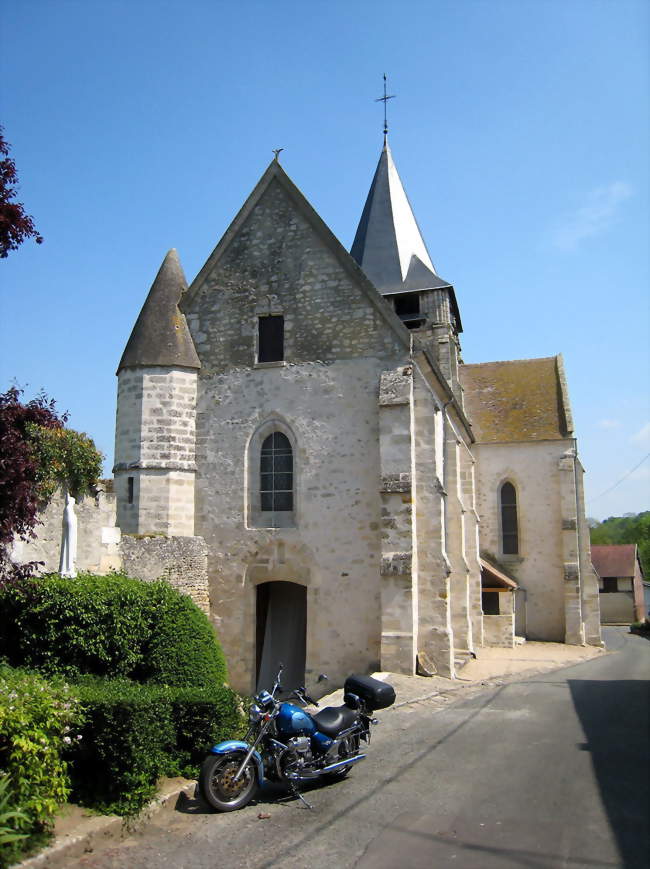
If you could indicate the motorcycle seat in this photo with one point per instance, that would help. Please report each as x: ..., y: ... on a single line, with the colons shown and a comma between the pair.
x: 333, y: 719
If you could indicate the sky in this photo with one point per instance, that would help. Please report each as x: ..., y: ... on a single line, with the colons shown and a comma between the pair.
x: 519, y: 129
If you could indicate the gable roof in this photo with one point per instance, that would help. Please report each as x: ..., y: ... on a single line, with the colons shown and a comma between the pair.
x: 518, y: 400
x: 160, y: 335
x: 615, y: 559
x: 276, y: 174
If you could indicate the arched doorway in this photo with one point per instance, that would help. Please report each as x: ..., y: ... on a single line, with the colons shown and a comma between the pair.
x: 281, y: 633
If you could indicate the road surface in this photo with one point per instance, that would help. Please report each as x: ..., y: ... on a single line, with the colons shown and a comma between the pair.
x: 544, y: 773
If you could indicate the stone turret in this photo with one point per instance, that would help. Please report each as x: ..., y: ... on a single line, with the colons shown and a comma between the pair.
x: 156, y: 404
x: 389, y: 247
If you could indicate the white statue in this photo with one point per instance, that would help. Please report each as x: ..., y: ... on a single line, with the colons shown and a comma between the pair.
x: 69, y: 539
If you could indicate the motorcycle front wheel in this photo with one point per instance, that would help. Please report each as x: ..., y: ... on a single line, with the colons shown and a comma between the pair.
x: 217, y: 782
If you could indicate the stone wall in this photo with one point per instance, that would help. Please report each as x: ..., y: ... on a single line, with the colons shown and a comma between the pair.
x: 180, y: 561
x: 533, y: 468
x: 324, y: 397
x: 499, y: 630
x: 97, y: 537
x: 102, y: 548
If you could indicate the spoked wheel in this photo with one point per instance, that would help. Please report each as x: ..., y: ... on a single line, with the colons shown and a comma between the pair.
x: 218, y: 785
x: 348, y: 748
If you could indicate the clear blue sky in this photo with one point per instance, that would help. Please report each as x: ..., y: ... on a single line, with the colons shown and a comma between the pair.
x: 520, y: 130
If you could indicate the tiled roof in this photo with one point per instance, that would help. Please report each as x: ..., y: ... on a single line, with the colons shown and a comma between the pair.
x: 519, y: 400
x: 614, y: 559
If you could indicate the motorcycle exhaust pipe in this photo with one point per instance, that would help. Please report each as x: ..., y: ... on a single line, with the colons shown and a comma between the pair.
x: 341, y: 763
x: 317, y: 773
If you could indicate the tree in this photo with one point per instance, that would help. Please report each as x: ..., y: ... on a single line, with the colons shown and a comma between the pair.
x: 37, y: 454
x: 15, y: 225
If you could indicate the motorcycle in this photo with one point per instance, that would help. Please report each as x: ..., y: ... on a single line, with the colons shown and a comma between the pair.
x: 286, y: 744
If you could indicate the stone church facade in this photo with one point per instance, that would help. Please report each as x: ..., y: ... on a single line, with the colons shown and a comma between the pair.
x: 300, y: 418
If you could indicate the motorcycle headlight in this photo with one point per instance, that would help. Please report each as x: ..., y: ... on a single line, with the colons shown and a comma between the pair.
x: 255, y: 714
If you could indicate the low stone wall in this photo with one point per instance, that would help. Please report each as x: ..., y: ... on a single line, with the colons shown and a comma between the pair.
x: 180, y: 561
x: 97, y: 536
x: 499, y: 630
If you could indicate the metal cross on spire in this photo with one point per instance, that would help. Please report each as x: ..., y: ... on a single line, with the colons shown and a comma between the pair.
x: 384, y: 100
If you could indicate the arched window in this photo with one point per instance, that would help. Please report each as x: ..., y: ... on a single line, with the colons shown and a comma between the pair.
x: 276, y: 474
x: 509, y: 528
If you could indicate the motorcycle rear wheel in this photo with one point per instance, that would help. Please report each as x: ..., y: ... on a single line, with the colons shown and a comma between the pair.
x: 217, y: 785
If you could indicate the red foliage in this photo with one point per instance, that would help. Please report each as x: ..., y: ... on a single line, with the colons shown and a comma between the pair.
x: 18, y: 469
x: 15, y: 225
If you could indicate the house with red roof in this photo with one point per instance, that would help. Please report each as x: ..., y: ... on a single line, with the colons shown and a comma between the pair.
x: 620, y: 580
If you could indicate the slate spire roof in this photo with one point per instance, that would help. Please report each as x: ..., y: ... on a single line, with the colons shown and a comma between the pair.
x: 160, y: 335
x: 388, y: 245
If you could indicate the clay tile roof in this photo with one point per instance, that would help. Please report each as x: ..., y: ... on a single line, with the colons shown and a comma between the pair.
x: 520, y: 400
x: 616, y: 559
x: 160, y: 335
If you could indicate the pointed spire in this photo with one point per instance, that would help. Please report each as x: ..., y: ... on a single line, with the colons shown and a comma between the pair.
x: 160, y: 335
x: 388, y: 245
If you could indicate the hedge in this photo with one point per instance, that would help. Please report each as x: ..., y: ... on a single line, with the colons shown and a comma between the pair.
x: 135, y: 733
x: 111, y: 626
x: 37, y: 720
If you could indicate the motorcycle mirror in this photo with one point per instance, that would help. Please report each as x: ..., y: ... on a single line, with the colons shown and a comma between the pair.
x: 323, y: 678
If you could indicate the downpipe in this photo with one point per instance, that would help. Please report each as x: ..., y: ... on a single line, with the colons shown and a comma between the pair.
x: 333, y: 766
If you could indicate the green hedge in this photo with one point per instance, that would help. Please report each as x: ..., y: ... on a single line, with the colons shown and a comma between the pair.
x: 111, y: 626
x: 135, y: 733
x: 37, y: 720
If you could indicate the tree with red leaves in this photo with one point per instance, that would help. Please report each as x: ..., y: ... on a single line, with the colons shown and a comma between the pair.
x: 37, y: 454
x: 15, y: 225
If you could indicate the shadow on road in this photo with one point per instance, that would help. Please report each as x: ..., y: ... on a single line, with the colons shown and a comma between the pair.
x: 614, y: 717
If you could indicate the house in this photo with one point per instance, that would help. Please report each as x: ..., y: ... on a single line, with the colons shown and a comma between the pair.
x: 620, y: 583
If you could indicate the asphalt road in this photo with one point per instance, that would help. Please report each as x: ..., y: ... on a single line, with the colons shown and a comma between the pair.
x: 548, y: 772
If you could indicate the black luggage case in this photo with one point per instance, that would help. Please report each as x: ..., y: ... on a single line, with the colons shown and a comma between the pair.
x: 374, y: 694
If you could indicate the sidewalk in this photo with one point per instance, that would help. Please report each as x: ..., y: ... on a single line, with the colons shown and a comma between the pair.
x: 77, y: 832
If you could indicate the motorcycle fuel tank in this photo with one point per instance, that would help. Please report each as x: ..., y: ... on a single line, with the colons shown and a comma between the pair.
x: 293, y: 720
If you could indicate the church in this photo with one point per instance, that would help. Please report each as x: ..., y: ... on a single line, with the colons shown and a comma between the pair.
x: 361, y: 499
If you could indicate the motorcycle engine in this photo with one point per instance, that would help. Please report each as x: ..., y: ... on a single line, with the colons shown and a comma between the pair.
x: 295, y: 757
x: 301, y: 745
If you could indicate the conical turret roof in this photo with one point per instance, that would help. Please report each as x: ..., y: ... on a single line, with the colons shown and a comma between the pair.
x: 388, y: 245
x: 160, y: 335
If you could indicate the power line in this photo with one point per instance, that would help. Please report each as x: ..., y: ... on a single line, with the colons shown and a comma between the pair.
x: 624, y: 477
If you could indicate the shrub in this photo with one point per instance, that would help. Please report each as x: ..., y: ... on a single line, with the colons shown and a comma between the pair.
x: 135, y: 733
x: 35, y: 719
x: 111, y: 626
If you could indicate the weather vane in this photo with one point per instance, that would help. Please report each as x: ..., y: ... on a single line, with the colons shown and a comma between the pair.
x: 384, y: 100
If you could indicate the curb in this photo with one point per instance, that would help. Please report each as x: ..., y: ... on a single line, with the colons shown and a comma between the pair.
x: 94, y: 830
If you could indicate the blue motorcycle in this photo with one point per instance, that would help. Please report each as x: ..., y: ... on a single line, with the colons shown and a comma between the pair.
x: 286, y: 744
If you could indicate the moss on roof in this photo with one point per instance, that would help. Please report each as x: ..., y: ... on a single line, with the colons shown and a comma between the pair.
x: 519, y: 400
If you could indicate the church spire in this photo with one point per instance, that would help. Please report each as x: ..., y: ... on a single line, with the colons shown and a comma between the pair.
x: 388, y: 245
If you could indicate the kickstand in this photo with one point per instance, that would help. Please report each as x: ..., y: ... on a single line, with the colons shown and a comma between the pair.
x: 296, y: 793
